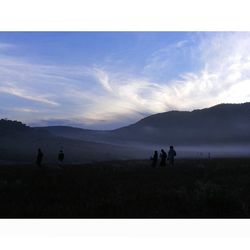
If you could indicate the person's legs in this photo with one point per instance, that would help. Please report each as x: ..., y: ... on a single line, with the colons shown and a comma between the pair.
x: 171, y: 162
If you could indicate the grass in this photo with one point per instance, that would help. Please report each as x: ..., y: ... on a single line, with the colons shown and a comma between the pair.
x: 216, y: 188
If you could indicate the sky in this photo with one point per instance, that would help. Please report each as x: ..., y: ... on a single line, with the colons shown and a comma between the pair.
x: 106, y: 80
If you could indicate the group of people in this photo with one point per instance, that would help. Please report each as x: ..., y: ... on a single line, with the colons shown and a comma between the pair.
x: 40, y: 155
x: 164, y: 157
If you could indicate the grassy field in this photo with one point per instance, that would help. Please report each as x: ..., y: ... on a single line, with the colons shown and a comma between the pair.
x: 216, y: 188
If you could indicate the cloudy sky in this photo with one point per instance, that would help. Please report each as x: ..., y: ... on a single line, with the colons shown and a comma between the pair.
x: 105, y: 80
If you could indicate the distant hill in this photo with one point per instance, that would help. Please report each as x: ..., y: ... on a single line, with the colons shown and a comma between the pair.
x: 197, y: 132
x: 220, y: 124
x: 19, y: 143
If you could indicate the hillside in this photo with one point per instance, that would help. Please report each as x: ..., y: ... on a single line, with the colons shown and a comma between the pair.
x: 221, y: 124
x: 220, y: 130
x: 19, y: 143
x: 224, y: 123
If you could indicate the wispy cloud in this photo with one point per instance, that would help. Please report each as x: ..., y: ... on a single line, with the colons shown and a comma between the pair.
x: 99, y: 98
x: 224, y: 77
x: 11, y: 89
x: 164, y: 58
x: 24, y: 110
x: 6, y: 46
x: 103, y: 79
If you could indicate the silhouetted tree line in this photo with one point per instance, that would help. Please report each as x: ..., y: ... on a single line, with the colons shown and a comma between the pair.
x: 9, y: 124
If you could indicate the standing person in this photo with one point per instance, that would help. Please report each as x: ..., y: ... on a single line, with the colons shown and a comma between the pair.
x: 171, y: 155
x: 163, y: 156
x: 39, y: 157
x: 154, y: 159
x: 60, y: 156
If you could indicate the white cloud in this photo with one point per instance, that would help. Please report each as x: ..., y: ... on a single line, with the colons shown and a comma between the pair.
x: 225, y: 78
x: 16, y: 91
x: 103, y: 79
x: 95, y: 96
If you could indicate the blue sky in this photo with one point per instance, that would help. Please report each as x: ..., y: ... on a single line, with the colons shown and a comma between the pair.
x: 105, y: 80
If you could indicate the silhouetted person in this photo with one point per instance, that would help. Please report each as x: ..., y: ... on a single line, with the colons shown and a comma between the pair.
x: 154, y: 159
x: 163, y: 157
x: 60, y: 156
x: 171, y: 155
x: 39, y: 157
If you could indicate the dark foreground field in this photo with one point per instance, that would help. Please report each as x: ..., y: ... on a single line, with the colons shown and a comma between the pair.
x: 217, y: 188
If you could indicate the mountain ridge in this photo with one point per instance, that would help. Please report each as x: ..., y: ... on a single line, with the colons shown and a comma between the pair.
x: 208, y: 130
x: 222, y: 123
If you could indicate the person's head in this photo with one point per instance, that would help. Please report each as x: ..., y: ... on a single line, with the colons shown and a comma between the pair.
x: 162, y: 150
x: 39, y: 150
x: 156, y: 152
x: 171, y: 147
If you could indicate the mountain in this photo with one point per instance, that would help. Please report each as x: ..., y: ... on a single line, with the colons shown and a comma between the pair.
x: 206, y: 130
x: 19, y: 143
x: 221, y: 124
x: 224, y: 123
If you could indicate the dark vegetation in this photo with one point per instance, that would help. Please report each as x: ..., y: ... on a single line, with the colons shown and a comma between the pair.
x: 17, y: 129
x: 221, y: 124
x: 216, y: 188
x: 6, y: 124
x: 201, y: 188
